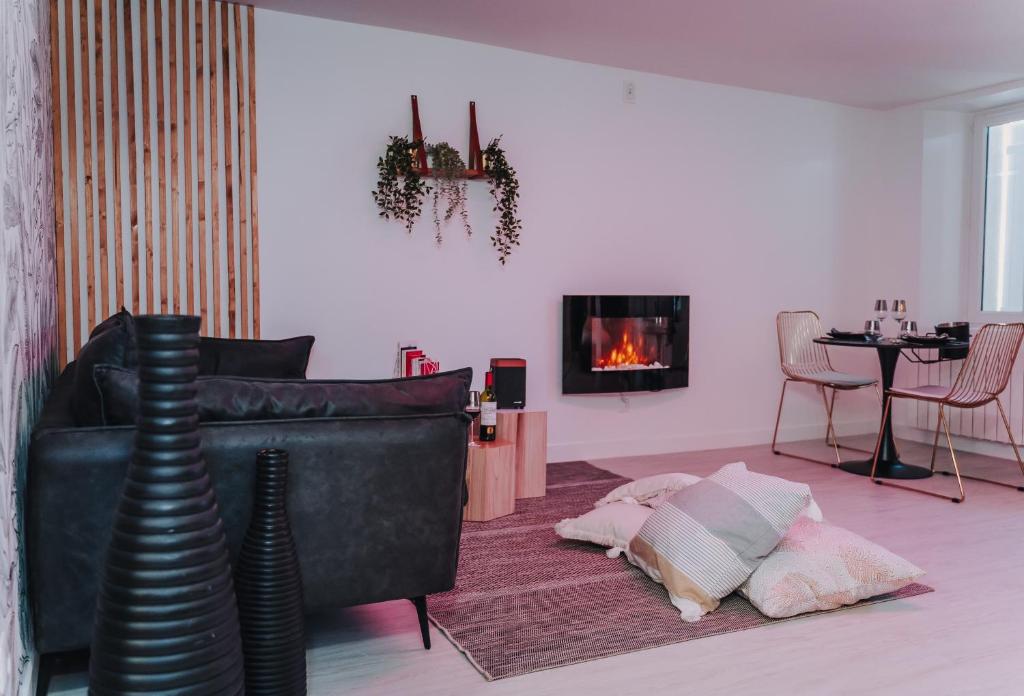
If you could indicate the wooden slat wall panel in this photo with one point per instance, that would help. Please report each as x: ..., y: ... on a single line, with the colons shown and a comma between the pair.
x: 177, y: 75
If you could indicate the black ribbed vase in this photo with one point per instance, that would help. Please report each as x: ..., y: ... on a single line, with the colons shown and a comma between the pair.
x: 166, y: 616
x: 269, y: 588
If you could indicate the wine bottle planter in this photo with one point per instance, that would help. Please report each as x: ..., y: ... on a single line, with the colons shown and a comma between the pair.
x: 269, y: 587
x: 166, y: 616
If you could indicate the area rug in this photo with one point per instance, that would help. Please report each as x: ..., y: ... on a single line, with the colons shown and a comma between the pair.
x: 526, y: 600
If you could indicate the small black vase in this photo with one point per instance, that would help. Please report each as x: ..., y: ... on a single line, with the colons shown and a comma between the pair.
x: 269, y: 587
x: 166, y: 615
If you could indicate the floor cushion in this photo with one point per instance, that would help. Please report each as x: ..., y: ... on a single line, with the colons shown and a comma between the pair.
x: 818, y: 566
x: 612, y: 525
x: 649, y: 490
x: 705, y: 540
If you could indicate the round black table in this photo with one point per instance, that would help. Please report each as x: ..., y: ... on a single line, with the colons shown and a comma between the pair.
x: 889, y: 464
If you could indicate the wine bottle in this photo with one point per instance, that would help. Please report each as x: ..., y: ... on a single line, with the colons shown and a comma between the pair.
x: 488, y: 410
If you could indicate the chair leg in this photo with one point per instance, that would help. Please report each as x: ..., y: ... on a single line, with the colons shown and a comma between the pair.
x: 421, y: 613
x: 775, y: 434
x: 1013, y: 443
x: 778, y: 416
x: 890, y: 484
x: 830, y: 426
x: 878, y: 442
x: 952, y: 453
x: 935, y: 443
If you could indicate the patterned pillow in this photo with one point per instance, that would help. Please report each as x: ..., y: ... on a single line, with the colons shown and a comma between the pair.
x: 818, y: 566
x: 705, y: 540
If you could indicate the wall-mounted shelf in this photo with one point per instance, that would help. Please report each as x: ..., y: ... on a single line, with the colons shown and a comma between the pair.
x: 475, y: 161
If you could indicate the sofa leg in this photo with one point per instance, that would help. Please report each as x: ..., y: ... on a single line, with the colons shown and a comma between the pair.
x: 421, y: 612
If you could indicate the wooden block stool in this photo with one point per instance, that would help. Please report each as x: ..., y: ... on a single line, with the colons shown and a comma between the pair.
x: 529, y: 431
x: 491, y: 479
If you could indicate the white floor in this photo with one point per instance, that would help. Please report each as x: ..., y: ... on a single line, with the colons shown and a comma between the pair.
x: 967, y: 637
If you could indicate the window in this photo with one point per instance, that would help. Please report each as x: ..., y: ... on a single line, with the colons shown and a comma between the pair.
x: 1000, y: 212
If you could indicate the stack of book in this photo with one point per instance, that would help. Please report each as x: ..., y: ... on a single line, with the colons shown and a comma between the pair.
x: 412, y: 362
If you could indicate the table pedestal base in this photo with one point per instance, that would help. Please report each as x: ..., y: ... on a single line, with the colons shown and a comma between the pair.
x: 889, y: 469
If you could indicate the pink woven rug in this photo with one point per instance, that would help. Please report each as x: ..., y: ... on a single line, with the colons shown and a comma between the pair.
x: 527, y: 600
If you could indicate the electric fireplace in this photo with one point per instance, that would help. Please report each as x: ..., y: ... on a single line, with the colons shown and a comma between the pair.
x: 625, y: 343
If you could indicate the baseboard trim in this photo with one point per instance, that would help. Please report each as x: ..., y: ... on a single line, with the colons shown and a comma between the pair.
x: 691, y: 442
x: 990, y: 448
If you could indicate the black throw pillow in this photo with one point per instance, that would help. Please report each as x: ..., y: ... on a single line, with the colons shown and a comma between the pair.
x: 239, y: 357
x: 112, y: 342
x: 223, y: 398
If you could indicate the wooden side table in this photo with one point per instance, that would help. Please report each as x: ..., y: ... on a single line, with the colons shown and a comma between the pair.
x: 529, y: 431
x: 491, y: 479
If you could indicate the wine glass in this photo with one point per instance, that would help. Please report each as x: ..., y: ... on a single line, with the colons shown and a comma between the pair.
x: 908, y: 328
x: 899, y: 310
x: 873, y: 328
x: 473, y: 410
x: 881, y: 311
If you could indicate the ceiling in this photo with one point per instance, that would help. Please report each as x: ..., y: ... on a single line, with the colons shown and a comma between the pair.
x: 877, y: 54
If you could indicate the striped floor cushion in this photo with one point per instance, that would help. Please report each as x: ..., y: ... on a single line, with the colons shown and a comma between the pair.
x: 705, y: 541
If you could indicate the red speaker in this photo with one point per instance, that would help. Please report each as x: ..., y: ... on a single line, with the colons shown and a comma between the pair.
x: 509, y: 382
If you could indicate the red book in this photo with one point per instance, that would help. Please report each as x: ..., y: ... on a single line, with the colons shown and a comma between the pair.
x: 409, y: 357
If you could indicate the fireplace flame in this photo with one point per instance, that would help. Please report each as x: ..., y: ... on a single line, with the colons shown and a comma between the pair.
x: 626, y: 352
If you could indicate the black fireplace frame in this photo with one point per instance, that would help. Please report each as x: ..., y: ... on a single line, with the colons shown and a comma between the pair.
x: 577, y: 376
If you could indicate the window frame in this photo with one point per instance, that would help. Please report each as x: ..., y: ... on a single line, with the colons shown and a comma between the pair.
x: 984, y: 120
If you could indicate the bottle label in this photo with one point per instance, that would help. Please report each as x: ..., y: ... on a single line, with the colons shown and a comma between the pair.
x: 488, y: 413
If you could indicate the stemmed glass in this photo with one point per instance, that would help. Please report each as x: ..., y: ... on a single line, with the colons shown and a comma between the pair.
x: 899, y: 310
x: 881, y: 311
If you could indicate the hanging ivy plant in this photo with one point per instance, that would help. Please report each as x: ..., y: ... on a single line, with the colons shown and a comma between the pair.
x: 451, y: 189
x: 400, y: 188
x: 505, y: 190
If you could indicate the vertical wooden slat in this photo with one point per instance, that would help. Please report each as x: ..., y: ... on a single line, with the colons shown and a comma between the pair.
x: 133, y: 152
x: 172, y: 64
x: 88, y: 164
x: 229, y: 147
x: 92, y: 264
x: 243, y: 204
x: 186, y: 99
x: 253, y: 217
x: 200, y: 71
x: 147, y: 154
x: 101, y: 162
x: 161, y: 149
x: 58, y: 184
x: 72, y: 106
x: 115, y: 136
x: 214, y: 172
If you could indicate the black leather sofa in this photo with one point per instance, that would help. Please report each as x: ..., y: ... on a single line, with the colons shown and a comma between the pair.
x: 375, y: 503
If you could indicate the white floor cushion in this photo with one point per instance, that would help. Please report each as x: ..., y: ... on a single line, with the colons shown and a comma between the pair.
x: 819, y: 566
x: 649, y: 490
x: 612, y: 525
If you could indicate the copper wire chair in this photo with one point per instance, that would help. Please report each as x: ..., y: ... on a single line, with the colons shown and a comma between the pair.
x: 803, y: 360
x: 983, y: 376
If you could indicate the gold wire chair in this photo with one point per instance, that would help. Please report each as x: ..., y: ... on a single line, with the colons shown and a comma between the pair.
x: 803, y: 360
x: 983, y: 376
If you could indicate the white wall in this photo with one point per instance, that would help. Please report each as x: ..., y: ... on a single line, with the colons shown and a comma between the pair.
x: 749, y: 202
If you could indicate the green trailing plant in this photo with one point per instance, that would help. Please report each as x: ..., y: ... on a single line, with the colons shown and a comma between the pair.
x: 400, y: 188
x: 505, y: 190
x: 451, y: 188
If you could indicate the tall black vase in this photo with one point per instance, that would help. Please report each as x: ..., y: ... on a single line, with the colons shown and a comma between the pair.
x: 166, y: 616
x: 269, y: 587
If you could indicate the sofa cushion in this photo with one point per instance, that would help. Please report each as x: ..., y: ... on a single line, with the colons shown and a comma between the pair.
x: 224, y: 398
x: 239, y: 357
x: 112, y: 342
